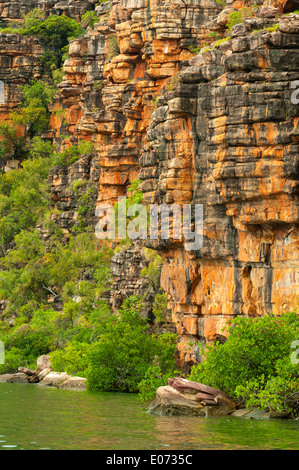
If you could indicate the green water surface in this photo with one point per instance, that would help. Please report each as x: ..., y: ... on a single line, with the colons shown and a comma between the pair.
x: 35, y: 417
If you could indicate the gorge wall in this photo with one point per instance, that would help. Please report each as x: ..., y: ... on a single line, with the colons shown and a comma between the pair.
x: 217, y: 128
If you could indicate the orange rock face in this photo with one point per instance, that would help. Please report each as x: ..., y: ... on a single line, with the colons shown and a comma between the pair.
x: 219, y: 129
x: 245, y: 160
x: 112, y: 81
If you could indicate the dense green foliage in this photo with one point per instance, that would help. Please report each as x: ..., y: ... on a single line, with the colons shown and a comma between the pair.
x: 24, y: 198
x: 34, y: 112
x: 19, y: 136
x: 55, y: 30
x: 72, y: 154
x: 33, y: 273
x: 114, y: 350
x: 12, y: 144
x: 254, y: 361
x: 123, y: 355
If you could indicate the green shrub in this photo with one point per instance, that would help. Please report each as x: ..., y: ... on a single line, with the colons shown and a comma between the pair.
x: 12, y: 144
x: 153, y: 379
x: 219, y: 42
x: 72, y: 154
x: 90, y: 18
x: 194, y: 50
x: 160, y: 307
x: 135, y: 196
x: 121, y: 355
x: 124, y: 351
x: 40, y: 148
x: 56, y: 31
x: 279, y: 393
x: 24, y: 197
x: 153, y: 271
x: 253, y: 349
x: 13, y: 360
x: 237, y: 17
x: 112, y: 46
x: 73, y: 359
x: 34, y: 111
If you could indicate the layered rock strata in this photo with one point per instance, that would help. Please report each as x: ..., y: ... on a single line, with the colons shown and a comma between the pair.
x: 15, y: 10
x: 218, y: 129
x: 19, y: 63
x: 114, y: 74
x: 74, y: 193
x: 235, y: 107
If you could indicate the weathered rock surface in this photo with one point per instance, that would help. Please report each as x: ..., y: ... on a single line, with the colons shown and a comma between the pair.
x: 19, y: 63
x: 17, y: 377
x: 45, y: 376
x: 13, y: 10
x: 68, y: 185
x: 54, y: 379
x: 218, y: 129
x: 73, y: 383
x: 241, y: 164
x: 184, y: 397
x: 43, y: 362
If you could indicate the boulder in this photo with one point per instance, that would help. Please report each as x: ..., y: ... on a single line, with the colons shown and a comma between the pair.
x: 54, y: 379
x: 42, y: 374
x: 268, y: 12
x: 43, y: 362
x: 184, y: 397
x: 31, y: 375
x: 74, y: 383
x: 171, y: 402
x: 18, y: 377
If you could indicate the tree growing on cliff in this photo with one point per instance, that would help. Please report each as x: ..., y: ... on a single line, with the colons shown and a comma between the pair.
x: 34, y: 111
x: 13, y: 143
x: 56, y: 32
x: 31, y: 119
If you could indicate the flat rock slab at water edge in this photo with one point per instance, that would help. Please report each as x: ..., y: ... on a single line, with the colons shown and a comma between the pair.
x: 18, y: 377
x: 73, y: 383
x: 54, y: 379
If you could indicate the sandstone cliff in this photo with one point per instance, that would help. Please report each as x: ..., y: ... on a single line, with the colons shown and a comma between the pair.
x: 216, y: 128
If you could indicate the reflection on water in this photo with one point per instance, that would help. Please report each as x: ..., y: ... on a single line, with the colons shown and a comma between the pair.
x: 34, y: 417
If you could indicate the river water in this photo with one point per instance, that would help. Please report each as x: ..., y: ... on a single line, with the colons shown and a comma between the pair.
x: 34, y: 417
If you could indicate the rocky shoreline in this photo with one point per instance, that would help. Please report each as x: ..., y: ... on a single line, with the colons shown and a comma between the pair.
x: 45, y: 376
x: 181, y: 397
x: 187, y: 398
